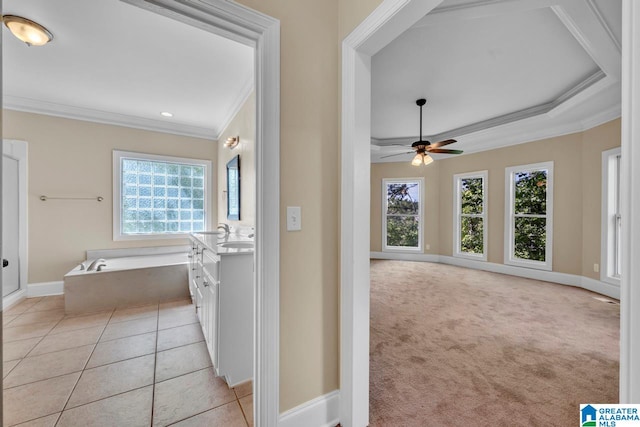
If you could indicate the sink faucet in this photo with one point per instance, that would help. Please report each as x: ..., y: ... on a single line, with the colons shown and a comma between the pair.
x: 92, y: 266
x: 225, y: 227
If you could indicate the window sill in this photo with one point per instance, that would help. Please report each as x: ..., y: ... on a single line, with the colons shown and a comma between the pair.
x: 535, y: 265
x: 475, y: 257
x: 401, y: 250
x: 124, y: 237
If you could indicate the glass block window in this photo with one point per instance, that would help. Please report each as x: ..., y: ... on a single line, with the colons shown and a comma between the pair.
x: 470, y: 232
x: 159, y: 195
x: 402, y: 214
x: 529, y: 205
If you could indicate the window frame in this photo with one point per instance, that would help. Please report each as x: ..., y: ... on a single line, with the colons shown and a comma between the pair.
x: 509, y: 217
x: 610, y: 228
x: 118, y: 155
x: 385, y: 182
x: 457, y: 209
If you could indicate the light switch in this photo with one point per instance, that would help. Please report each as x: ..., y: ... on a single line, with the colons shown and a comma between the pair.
x: 294, y: 218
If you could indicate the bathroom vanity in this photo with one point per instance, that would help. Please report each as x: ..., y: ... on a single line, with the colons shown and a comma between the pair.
x: 221, y: 287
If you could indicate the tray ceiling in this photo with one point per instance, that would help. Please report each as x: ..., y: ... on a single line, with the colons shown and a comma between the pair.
x: 498, y: 73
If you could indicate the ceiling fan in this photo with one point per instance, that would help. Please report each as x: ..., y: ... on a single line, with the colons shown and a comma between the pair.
x: 423, y: 148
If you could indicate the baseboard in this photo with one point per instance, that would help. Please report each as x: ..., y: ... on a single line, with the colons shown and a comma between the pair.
x: 601, y: 287
x: 405, y: 256
x: 43, y: 289
x: 528, y: 273
x: 13, y: 299
x: 593, y: 285
x: 323, y: 411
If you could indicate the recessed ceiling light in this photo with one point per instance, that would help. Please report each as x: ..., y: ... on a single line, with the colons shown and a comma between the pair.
x: 166, y: 114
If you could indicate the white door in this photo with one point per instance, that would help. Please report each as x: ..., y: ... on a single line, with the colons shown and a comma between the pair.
x: 10, y: 225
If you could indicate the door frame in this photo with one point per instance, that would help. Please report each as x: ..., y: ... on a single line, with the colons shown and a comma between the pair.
x: 241, y: 24
x: 384, y: 24
x: 630, y: 194
x: 17, y: 150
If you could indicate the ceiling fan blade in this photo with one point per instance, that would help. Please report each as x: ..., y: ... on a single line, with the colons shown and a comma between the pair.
x: 442, y: 143
x: 444, y: 151
x: 397, y: 154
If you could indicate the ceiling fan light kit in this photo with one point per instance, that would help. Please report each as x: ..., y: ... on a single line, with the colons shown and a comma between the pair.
x: 423, y: 148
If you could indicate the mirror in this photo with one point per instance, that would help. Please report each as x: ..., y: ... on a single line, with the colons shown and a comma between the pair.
x: 233, y: 189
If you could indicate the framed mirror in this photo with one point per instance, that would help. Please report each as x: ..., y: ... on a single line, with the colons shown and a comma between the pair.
x: 233, y: 189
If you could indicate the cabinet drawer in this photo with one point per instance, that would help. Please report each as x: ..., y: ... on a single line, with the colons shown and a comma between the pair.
x: 211, y: 264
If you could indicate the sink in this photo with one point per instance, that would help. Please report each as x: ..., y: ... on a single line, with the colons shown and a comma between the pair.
x: 236, y: 245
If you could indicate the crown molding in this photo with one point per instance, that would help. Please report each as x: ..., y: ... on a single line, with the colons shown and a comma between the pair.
x: 90, y: 115
x: 243, y: 96
x: 528, y: 130
x: 588, y: 27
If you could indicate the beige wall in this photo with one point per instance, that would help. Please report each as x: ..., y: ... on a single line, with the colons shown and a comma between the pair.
x: 594, y: 142
x: 432, y: 190
x: 243, y: 125
x: 577, y: 199
x: 352, y: 12
x: 309, y: 177
x: 73, y: 158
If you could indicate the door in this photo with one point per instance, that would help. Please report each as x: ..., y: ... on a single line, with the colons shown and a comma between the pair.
x: 10, y: 225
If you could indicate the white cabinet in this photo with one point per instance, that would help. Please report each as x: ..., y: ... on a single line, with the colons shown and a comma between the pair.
x: 223, y: 294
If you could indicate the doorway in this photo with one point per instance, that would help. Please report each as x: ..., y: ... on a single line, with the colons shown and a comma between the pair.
x: 262, y: 32
x: 14, y: 224
x: 381, y: 27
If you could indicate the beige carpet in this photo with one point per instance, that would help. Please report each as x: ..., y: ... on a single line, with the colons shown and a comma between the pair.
x: 457, y: 347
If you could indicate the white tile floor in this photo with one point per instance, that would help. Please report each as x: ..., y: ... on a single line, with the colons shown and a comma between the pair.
x: 142, y: 366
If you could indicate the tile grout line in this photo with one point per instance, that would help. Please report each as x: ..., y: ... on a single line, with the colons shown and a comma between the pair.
x: 38, y: 343
x: 105, y: 398
x: 51, y: 333
x: 155, y: 365
x: 242, y: 409
x: 83, y: 369
x: 44, y: 379
x: 57, y: 376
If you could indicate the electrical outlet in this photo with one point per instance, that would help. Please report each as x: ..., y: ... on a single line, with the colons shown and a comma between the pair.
x: 427, y: 247
x: 596, y: 268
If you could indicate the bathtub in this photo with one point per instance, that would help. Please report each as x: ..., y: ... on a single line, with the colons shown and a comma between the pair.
x: 137, y: 278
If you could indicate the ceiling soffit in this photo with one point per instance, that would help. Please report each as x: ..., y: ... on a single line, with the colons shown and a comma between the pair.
x: 586, y: 94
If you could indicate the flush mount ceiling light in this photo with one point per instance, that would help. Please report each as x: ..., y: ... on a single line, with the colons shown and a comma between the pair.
x: 28, y: 31
x: 166, y: 114
x: 232, y: 142
x: 423, y: 148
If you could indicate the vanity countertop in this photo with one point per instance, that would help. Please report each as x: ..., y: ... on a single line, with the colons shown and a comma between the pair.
x: 225, y: 244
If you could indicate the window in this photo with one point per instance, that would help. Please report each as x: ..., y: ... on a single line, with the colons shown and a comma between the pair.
x: 470, y: 230
x: 611, y: 239
x: 158, y: 196
x: 529, y: 215
x: 402, y: 214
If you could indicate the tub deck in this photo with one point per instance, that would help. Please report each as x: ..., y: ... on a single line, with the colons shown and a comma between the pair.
x: 127, y: 282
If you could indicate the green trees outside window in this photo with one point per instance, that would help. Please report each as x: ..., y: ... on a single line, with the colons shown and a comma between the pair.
x: 402, y: 214
x: 529, y: 211
x: 471, y: 215
x: 470, y: 231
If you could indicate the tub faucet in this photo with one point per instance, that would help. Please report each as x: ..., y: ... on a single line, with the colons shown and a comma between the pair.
x: 92, y: 266
x: 225, y: 227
